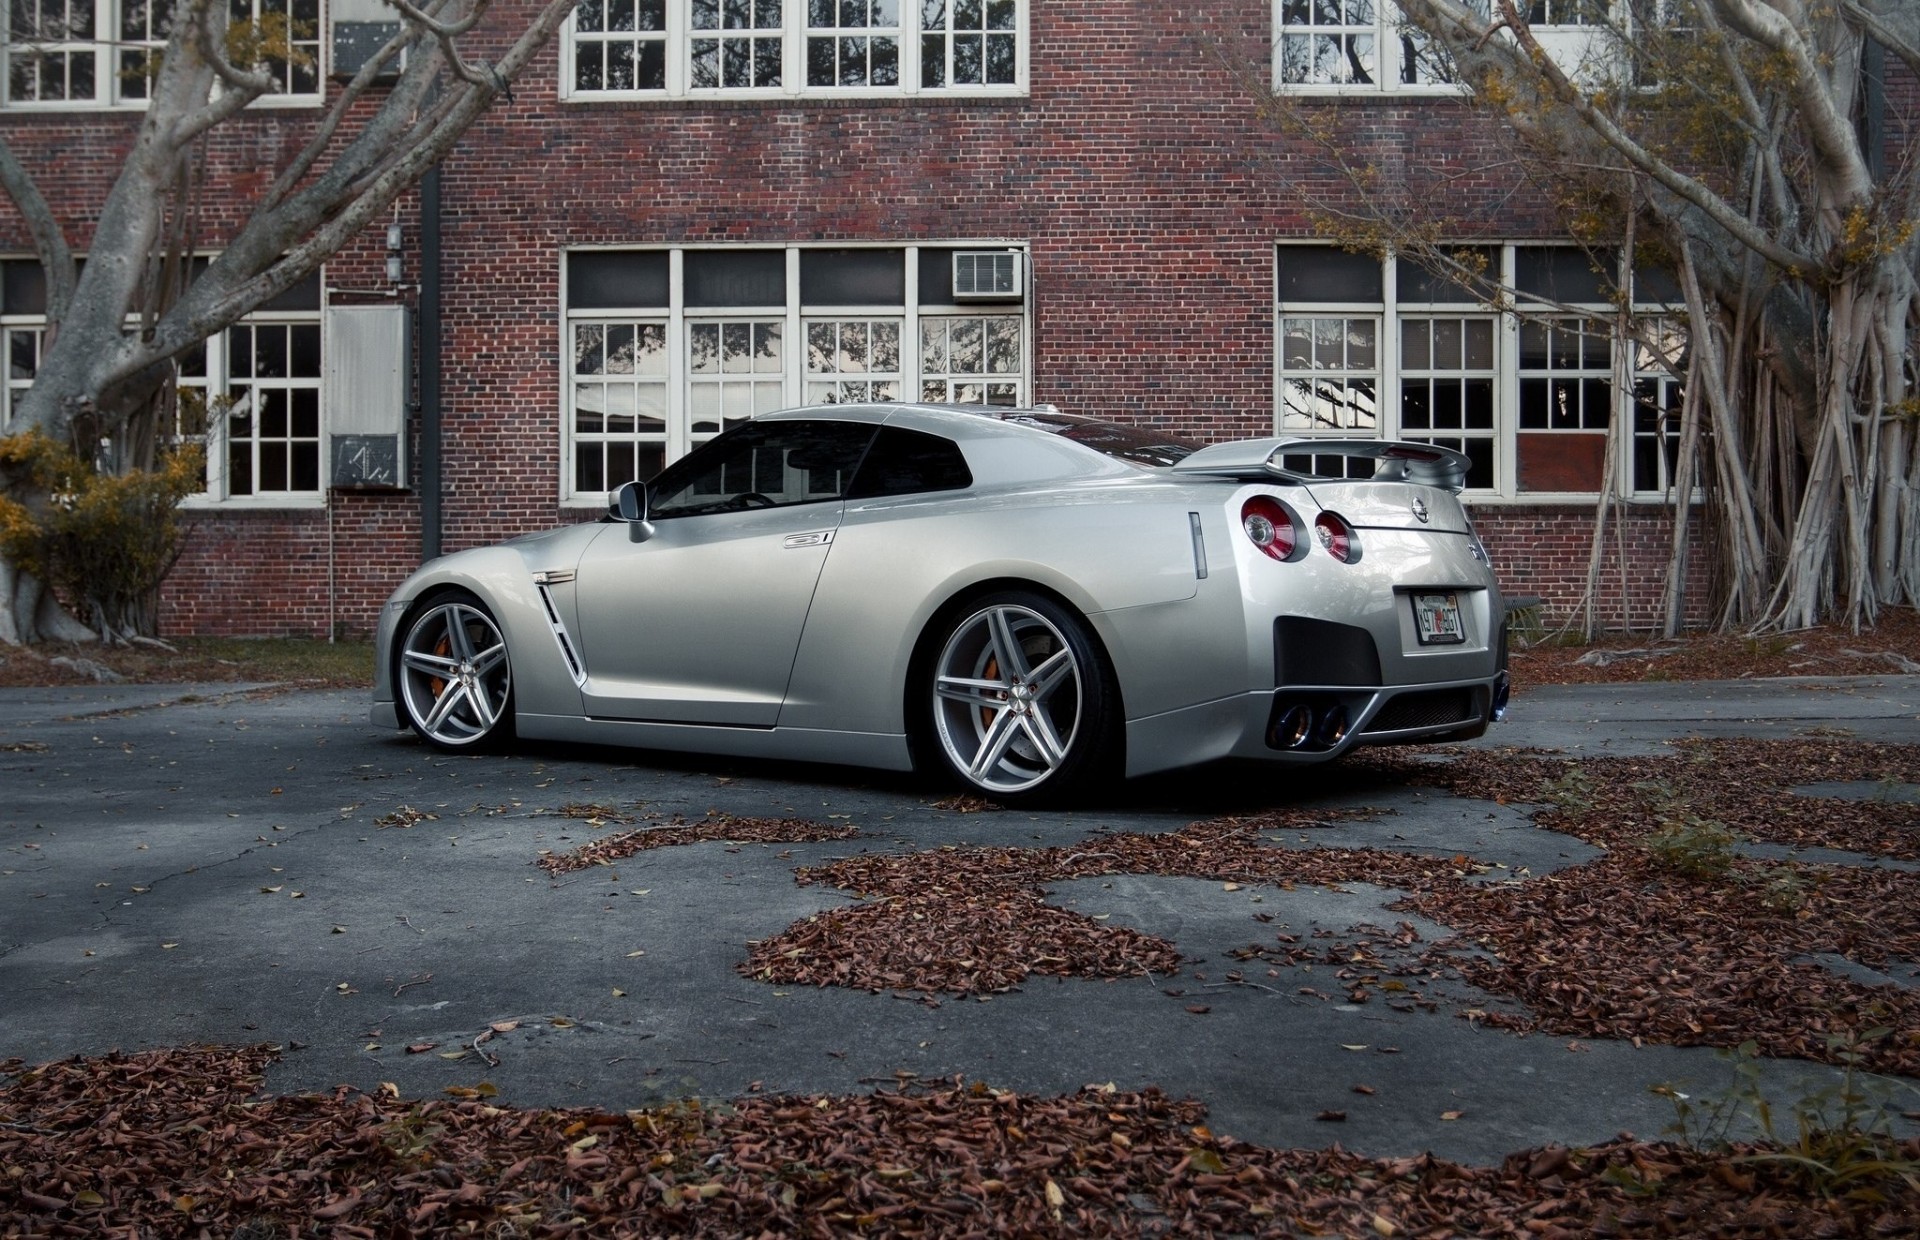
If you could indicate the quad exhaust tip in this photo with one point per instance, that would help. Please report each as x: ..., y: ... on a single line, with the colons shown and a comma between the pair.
x: 1292, y: 729
x: 1301, y: 726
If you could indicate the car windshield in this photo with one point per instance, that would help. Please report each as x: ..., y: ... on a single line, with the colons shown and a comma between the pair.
x: 1138, y: 444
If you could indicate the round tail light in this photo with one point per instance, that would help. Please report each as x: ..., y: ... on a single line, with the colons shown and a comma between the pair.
x: 1269, y: 526
x: 1337, y: 537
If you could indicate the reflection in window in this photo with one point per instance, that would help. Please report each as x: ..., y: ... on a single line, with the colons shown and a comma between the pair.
x: 971, y: 360
x: 620, y: 45
x: 619, y: 402
x: 1328, y: 42
x: 736, y: 43
x: 50, y: 51
x: 969, y: 43
x: 852, y: 360
x: 735, y: 372
x: 1658, y: 398
x: 763, y: 465
x: 853, y: 42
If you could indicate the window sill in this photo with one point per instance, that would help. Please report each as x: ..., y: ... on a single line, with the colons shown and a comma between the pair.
x: 253, y: 503
x: 818, y: 97
x: 136, y: 107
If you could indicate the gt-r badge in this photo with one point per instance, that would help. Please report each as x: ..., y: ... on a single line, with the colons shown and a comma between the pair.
x: 1419, y: 510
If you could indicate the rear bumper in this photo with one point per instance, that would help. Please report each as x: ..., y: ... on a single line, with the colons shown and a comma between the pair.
x: 1252, y: 725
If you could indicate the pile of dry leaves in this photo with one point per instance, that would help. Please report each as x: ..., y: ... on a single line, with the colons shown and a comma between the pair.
x: 1672, y: 936
x: 715, y: 827
x: 178, y: 1143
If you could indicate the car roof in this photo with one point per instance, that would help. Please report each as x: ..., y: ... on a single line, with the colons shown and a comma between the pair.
x: 1085, y: 437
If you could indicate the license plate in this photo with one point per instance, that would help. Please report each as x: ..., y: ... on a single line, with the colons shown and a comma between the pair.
x: 1436, y: 619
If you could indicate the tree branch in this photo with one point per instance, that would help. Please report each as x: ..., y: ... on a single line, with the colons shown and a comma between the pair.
x: 49, y: 241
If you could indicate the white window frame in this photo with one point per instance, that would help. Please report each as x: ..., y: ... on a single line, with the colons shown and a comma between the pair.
x: 796, y: 375
x: 911, y: 29
x: 1573, y: 44
x: 1648, y: 370
x: 1393, y: 375
x: 220, y: 384
x: 996, y: 386
x: 105, y: 47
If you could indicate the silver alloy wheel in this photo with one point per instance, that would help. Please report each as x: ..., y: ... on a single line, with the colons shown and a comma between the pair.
x: 1007, y: 698
x: 454, y: 676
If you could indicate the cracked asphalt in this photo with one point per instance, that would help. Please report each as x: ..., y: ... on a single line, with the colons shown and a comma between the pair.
x: 185, y: 864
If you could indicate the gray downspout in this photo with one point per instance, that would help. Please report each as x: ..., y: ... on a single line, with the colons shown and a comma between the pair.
x: 430, y: 365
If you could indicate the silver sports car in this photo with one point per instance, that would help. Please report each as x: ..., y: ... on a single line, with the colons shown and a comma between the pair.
x: 1025, y: 600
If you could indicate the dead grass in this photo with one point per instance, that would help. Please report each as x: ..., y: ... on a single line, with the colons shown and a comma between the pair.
x: 220, y: 660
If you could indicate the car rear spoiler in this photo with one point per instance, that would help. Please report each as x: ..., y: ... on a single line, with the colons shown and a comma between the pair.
x: 1394, y: 460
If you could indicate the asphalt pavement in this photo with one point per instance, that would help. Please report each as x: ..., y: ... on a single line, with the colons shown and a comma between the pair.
x: 188, y: 864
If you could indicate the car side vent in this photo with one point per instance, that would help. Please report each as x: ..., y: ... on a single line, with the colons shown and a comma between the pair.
x: 986, y: 275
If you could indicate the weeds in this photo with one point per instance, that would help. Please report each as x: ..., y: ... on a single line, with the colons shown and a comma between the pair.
x: 1841, y: 1142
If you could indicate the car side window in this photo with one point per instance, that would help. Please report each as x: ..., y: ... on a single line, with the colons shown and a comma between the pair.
x: 904, y: 462
x: 762, y: 465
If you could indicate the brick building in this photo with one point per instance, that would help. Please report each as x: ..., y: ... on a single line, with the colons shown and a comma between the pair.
x: 694, y: 210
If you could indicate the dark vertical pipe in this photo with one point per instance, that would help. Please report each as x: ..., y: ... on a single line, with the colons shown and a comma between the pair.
x: 430, y: 364
x: 1873, y: 107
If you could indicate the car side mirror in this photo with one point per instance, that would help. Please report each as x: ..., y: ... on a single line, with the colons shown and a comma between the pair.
x: 629, y: 504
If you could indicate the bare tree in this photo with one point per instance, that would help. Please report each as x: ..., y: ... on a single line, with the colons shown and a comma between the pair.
x: 1745, y: 146
x: 112, y: 335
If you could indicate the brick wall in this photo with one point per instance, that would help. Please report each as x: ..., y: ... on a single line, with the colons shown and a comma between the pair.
x: 1143, y: 177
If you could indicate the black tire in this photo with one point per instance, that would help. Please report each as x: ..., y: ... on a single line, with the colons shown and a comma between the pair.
x: 1017, y: 700
x: 452, y: 677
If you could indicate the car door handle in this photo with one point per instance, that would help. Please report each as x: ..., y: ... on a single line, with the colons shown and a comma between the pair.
x: 819, y: 538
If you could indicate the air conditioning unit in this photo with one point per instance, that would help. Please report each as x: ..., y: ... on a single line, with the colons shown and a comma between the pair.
x: 986, y: 275
x: 361, y: 28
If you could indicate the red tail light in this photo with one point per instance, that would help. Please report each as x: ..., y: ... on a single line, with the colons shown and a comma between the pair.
x: 1337, y: 537
x: 1270, y: 527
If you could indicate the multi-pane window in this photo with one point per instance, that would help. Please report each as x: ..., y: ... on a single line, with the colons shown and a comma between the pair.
x: 1355, y: 45
x: 1329, y: 385
x: 1521, y: 382
x: 273, y: 424
x: 969, y: 43
x: 620, y: 45
x: 1329, y: 43
x: 619, y: 386
x: 722, y: 335
x: 735, y: 371
x: 736, y: 43
x: 852, y: 360
x: 971, y: 360
x: 144, y: 25
x: 1658, y: 358
x: 676, y: 48
x: 853, y: 42
x: 106, y: 51
x: 51, y: 51
x: 251, y: 393
x: 1566, y: 375
x: 289, y: 37
x: 1446, y: 387
x: 1329, y: 374
x: 23, y: 364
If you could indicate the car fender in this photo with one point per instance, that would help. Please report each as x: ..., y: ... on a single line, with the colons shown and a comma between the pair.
x: 501, y: 577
